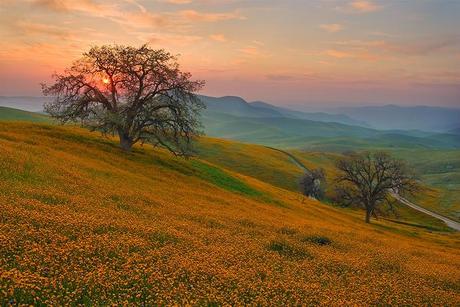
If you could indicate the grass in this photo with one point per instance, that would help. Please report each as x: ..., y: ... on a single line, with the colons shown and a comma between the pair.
x: 222, y: 179
x: 252, y: 160
x: 440, y: 171
x: 11, y: 114
x: 85, y: 223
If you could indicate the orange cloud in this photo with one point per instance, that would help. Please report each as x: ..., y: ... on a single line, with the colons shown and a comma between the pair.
x: 365, y: 6
x: 361, y: 54
x: 173, y: 40
x: 135, y: 18
x: 193, y: 15
x: 86, y: 6
x: 338, y: 54
x: 250, y: 51
x: 29, y: 28
x: 178, y: 1
x: 332, y: 27
x: 218, y: 38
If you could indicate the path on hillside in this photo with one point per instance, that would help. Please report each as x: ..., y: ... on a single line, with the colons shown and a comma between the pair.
x: 450, y: 223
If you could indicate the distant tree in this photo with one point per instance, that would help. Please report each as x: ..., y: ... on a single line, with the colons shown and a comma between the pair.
x: 139, y: 94
x: 312, y: 183
x: 368, y: 180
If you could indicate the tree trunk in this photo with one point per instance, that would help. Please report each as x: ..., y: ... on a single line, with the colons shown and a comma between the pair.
x: 125, y: 141
x: 368, y: 215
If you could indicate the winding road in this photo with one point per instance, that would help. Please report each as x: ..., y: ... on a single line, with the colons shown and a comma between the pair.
x: 450, y: 223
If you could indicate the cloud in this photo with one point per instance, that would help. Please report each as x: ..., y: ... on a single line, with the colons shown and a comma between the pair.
x: 419, y: 47
x: 338, y: 54
x: 178, y: 1
x: 193, y: 15
x: 258, y: 43
x: 218, y: 38
x: 250, y: 51
x: 254, y: 51
x: 139, y: 17
x: 364, y: 6
x: 360, y: 54
x: 293, y: 77
x: 331, y: 27
x: 279, y: 77
x: 86, y: 6
x: 30, y: 28
x: 162, y: 39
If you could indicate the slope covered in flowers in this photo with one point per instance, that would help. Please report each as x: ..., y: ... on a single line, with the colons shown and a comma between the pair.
x: 83, y: 223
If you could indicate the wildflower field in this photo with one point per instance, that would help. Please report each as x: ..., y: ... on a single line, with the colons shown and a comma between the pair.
x: 83, y: 223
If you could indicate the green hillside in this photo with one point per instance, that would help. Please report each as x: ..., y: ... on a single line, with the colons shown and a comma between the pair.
x: 83, y: 223
x: 10, y: 114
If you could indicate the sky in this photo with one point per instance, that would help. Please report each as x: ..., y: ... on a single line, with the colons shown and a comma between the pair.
x: 291, y: 52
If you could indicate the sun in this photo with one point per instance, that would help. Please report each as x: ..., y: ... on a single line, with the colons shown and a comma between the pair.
x: 105, y: 81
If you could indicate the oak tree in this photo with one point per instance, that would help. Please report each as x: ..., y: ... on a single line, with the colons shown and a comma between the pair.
x: 369, y: 180
x: 139, y: 94
x: 312, y: 183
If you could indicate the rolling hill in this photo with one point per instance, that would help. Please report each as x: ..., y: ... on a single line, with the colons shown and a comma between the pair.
x: 314, y: 135
x: 83, y: 223
x: 11, y: 114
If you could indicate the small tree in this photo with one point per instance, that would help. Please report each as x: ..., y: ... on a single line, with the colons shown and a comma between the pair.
x: 368, y: 180
x: 140, y: 94
x: 312, y: 183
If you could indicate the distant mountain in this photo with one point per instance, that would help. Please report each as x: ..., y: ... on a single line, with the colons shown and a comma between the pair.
x: 316, y: 116
x: 237, y: 106
x: 424, y: 118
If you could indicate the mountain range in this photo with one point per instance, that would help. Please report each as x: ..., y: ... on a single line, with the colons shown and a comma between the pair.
x: 262, y: 123
x: 258, y: 122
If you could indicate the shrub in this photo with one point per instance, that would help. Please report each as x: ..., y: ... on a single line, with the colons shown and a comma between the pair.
x: 285, y: 249
x: 318, y: 240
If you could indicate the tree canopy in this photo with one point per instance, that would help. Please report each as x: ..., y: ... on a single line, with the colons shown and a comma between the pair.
x: 139, y: 94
